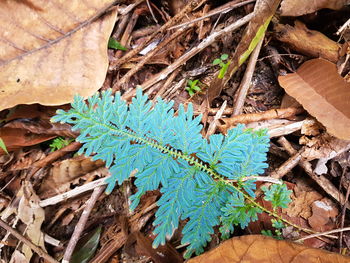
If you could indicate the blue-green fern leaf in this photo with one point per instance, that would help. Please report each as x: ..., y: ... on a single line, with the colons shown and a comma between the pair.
x: 168, y: 152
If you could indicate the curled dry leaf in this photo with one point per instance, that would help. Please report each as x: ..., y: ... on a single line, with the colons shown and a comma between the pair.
x: 52, y: 52
x: 262, y: 249
x: 299, y: 7
x: 15, y: 139
x: 309, y: 42
x: 323, y: 93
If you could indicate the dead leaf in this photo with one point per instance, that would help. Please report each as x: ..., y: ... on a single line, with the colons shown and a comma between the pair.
x: 323, y: 93
x: 143, y: 247
x: 299, y: 7
x: 261, y: 249
x: 309, y: 42
x: 33, y: 216
x: 64, y: 172
x: 15, y: 139
x: 324, y: 213
x: 49, y: 55
x: 43, y: 127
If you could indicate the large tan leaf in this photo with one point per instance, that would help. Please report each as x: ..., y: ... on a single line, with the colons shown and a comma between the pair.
x: 261, y: 249
x: 52, y: 50
x: 323, y: 93
x: 302, y: 7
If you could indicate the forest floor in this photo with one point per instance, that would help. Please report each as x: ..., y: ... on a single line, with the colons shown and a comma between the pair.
x: 291, y: 77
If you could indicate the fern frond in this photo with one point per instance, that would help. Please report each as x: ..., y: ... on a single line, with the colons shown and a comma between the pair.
x: 194, y: 175
x: 237, y: 212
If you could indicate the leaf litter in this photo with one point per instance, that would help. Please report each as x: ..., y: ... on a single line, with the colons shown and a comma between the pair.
x: 184, y: 52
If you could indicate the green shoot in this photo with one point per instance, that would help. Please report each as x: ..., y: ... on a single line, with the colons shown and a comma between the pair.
x: 223, y: 65
x: 192, y: 87
x: 3, y: 146
x: 59, y: 143
x: 277, y: 233
x: 112, y: 43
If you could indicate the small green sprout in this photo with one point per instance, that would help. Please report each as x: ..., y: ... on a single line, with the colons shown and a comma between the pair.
x: 3, y: 146
x: 112, y: 43
x: 277, y: 232
x: 224, y: 65
x: 192, y: 87
x: 59, y: 143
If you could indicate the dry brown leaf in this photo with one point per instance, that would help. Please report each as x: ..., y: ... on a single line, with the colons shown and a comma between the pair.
x: 323, y: 93
x: 138, y: 244
x: 324, y: 213
x: 309, y: 42
x: 261, y: 249
x: 50, y: 53
x: 63, y: 173
x: 300, y: 7
x: 15, y: 139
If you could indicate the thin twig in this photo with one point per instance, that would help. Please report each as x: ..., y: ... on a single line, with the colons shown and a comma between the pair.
x: 145, y: 59
x: 343, y: 212
x: 190, y: 6
x: 24, y: 240
x: 166, y: 85
x: 220, y: 10
x: 285, y: 113
x: 81, y: 223
x: 213, y: 124
x: 287, y: 166
x: 324, y: 234
x: 185, y: 57
x: 322, y: 181
x: 247, y: 79
x: 268, y: 179
x: 151, y: 11
x: 76, y: 191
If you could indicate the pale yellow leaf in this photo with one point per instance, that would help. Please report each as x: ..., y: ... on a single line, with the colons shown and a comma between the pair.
x: 52, y: 50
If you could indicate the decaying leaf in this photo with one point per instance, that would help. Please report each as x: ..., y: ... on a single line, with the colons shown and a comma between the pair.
x: 64, y: 172
x: 262, y: 249
x: 138, y: 244
x: 323, y: 93
x: 299, y: 7
x: 31, y: 214
x: 309, y: 42
x: 17, y: 138
x: 52, y: 52
x: 324, y: 213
